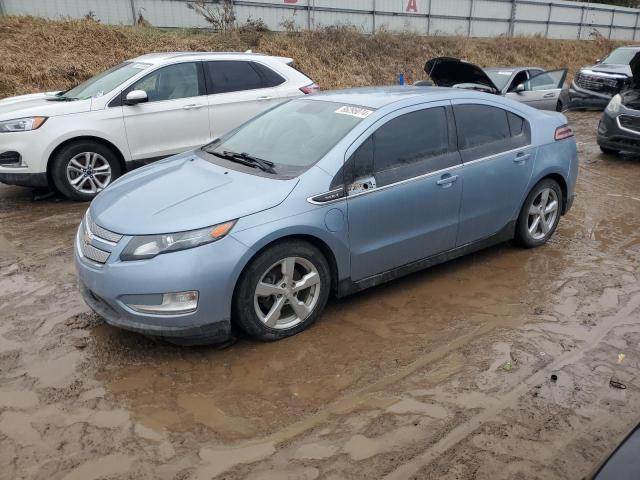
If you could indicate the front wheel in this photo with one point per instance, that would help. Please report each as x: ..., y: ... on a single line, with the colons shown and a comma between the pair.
x: 83, y: 169
x: 540, y: 214
x: 283, y: 291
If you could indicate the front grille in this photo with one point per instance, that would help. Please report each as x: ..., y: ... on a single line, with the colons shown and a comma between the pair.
x: 10, y: 158
x: 629, y: 122
x: 93, y: 253
x: 102, y: 233
x: 598, y: 83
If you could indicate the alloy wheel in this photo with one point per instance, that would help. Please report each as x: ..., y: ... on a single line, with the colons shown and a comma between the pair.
x: 287, y: 293
x: 89, y: 172
x: 542, y: 213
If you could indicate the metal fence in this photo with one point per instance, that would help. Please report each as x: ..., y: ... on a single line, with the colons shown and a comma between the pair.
x: 476, y: 18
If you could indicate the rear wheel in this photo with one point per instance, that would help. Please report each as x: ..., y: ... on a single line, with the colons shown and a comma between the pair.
x: 283, y: 291
x: 540, y: 214
x: 609, y: 151
x: 83, y: 169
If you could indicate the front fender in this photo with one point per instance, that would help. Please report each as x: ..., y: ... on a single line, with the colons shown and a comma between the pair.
x: 312, y: 225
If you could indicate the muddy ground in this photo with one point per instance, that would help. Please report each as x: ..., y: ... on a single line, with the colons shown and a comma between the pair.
x: 444, y: 374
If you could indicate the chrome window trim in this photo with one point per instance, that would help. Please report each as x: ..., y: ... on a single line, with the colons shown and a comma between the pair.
x: 413, y: 179
x: 635, y: 132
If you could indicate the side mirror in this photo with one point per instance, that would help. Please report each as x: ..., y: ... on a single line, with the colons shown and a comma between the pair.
x: 135, y: 97
x: 520, y: 88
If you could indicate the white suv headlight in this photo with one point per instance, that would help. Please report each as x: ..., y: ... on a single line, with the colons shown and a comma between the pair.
x: 22, y: 124
x: 614, y: 104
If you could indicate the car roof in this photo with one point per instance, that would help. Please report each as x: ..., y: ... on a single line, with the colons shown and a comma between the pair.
x: 378, y: 97
x: 162, y: 57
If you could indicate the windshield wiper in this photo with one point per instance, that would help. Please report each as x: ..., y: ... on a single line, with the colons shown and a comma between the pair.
x: 246, y: 159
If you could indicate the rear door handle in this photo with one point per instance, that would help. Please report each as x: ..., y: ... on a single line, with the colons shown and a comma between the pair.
x: 193, y: 106
x: 549, y: 95
x: 446, y: 180
x: 521, y: 158
x: 265, y: 97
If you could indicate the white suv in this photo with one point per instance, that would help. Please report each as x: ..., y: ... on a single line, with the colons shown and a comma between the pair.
x: 142, y: 110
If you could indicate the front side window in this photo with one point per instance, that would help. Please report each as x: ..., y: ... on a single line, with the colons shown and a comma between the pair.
x: 484, y: 130
x: 225, y: 76
x: 105, y: 82
x: 546, y: 81
x: 293, y: 136
x: 405, y: 147
x: 171, y: 83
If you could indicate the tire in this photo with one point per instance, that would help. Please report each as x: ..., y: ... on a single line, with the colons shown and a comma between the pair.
x: 530, y: 232
x: 270, y: 317
x: 609, y: 151
x: 85, y: 155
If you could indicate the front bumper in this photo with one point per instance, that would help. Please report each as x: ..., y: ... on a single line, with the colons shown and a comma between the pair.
x: 613, y: 137
x: 210, y: 269
x: 580, y: 98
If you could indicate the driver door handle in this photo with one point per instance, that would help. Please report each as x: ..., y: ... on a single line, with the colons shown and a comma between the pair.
x: 446, y: 180
x: 550, y: 95
x: 193, y: 106
x: 265, y: 97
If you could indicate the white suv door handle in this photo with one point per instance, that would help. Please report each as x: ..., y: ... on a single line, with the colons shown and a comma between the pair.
x: 193, y: 106
x: 265, y: 97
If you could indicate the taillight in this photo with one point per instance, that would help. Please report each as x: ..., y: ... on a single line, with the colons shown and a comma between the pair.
x: 563, y: 132
x: 310, y: 89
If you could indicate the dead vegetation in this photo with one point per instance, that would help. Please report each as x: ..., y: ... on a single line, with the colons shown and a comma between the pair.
x: 40, y: 55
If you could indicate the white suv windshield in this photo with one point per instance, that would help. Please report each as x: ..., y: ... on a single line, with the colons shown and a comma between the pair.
x: 293, y: 136
x: 105, y: 81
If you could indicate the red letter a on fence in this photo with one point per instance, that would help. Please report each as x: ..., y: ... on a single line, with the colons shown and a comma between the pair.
x: 412, y: 6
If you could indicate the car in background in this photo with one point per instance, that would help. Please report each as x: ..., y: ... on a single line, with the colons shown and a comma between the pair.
x: 623, y: 463
x: 139, y: 111
x: 529, y: 85
x: 619, y: 127
x: 595, y: 85
x: 331, y: 193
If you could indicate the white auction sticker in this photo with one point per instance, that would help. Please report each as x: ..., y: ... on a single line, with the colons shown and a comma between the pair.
x: 354, y: 111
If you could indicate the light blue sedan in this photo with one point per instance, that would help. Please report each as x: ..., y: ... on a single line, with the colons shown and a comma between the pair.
x: 324, y: 195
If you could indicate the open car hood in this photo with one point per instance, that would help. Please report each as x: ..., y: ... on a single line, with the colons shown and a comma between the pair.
x: 449, y: 72
x: 635, y: 70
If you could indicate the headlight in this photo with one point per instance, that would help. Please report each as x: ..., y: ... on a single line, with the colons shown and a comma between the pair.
x: 22, y: 124
x: 148, y: 246
x: 614, y: 104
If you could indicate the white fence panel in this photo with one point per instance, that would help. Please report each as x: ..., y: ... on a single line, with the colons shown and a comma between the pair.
x: 481, y: 18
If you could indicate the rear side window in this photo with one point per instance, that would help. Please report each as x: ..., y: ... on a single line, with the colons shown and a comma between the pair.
x: 231, y: 76
x: 270, y: 78
x: 405, y: 147
x: 484, y: 130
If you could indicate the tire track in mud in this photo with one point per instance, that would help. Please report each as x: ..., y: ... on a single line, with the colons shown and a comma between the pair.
x: 463, y: 431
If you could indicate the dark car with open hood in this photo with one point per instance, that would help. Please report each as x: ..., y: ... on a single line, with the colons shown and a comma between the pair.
x: 619, y: 127
x: 595, y: 85
x: 530, y: 85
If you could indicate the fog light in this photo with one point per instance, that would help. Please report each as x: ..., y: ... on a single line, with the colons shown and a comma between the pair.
x: 172, y: 303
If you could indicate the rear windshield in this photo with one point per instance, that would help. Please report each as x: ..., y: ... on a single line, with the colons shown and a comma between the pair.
x: 621, y: 56
x: 294, y: 135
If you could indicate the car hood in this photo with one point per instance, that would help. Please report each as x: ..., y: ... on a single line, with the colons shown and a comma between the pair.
x: 184, y: 192
x: 448, y: 71
x: 37, y: 104
x: 610, y: 68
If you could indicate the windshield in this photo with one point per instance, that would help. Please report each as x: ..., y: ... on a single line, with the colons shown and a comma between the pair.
x: 293, y: 136
x: 499, y: 77
x: 105, y: 81
x: 621, y: 56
